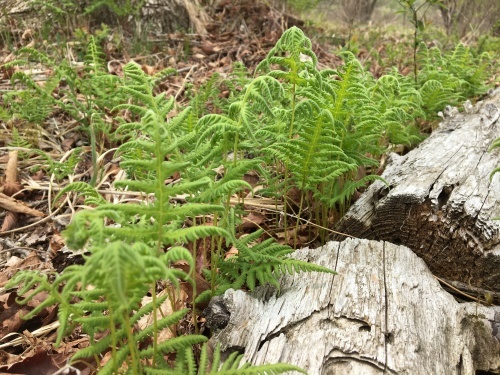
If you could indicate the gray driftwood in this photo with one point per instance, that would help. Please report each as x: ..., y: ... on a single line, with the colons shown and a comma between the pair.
x: 440, y: 201
x: 383, y: 313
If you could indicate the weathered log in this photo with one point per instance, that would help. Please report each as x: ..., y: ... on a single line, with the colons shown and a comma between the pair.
x: 383, y: 312
x: 441, y: 201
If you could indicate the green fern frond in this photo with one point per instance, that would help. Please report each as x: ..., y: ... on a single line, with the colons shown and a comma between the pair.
x: 435, y: 96
x: 292, y: 44
x: 92, y: 197
x: 175, y: 344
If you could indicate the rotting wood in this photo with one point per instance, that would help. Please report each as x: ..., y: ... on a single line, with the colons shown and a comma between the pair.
x: 440, y: 201
x: 382, y: 313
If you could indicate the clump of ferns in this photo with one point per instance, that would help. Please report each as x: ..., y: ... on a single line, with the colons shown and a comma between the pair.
x: 305, y: 145
x: 33, y: 102
x: 123, y: 240
x: 109, y: 287
x: 330, y: 125
x: 449, y: 78
x: 84, y: 95
x: 60, y: 169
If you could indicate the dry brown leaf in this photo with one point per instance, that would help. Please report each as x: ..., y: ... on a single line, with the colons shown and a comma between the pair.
x: 10, y: 221
x: 231, y: 252
x: 11, y: 317
x: 56, y: 242
x: 252, y: 220
x: 11, y: 185
x: 148, y: 69
x: 13, y: 205
x: 34, y: 362
x: 199, y: 56
x: 32, y: 261
x: 27, y: 34
x: 200, y: 283
x: 67, y: 144
x: 252, y: 178
x: 164, y: 309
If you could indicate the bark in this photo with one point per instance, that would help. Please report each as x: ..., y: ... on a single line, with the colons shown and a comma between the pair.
x: 383, y: 313
x: 441, y: 201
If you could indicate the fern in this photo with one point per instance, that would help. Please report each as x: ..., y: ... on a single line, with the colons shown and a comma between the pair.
x: 60, y: 169
x: 233, y: 365
x: 119, y: 254
x: 92, y: 197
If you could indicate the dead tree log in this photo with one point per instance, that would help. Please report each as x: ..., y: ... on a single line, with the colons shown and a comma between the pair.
x: 440, y: 201
x: 382, y: 313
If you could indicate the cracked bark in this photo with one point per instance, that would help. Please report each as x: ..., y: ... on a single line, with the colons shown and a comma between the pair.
x: 383, y: 312
x: 441, y: 200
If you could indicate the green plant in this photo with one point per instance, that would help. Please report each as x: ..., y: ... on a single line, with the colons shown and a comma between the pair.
x: 60, y: 169
x: 412, y: 8
x: 62, y: 13
x: 336, y: 122
x: 85, y: 96
x: 449, y: 78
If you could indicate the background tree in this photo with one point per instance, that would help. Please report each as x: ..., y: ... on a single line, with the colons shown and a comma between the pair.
x: 461, y: 17
x: 357, y: 10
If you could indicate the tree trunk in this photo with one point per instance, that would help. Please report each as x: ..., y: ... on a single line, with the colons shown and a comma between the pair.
x: 156, y: 16
x: 383, y: 313
x: 166, y: 16
x: 441, y: 201
x: 357, y: 10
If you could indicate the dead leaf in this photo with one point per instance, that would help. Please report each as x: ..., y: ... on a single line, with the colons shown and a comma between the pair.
x: 56, y: 242
x: 27, y: 34
x: 32, y: 261
x: 252, y: 178
x: 231, y: 252
x: 11, y: 185
x: 252, y: 220
x: 37, y: 362
x: 10, y: 221
x: 11, y: 204
x: 38, y: 235
x: 149, y: 70
x: 199, y: 56
x: 67, y: 144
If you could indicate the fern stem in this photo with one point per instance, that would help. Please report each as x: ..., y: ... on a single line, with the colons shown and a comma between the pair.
x: 298, y: 219
x: 93, y: 146
x: 155, y: 325
x: 136, y: 364
x: 112, y: 331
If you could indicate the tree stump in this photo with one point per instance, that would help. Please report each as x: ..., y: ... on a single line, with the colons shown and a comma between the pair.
x: 383, y: 313
x: 440, y: 201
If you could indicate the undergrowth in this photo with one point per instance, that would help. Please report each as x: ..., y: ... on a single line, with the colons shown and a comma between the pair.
x: 313, y: 137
